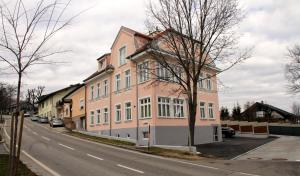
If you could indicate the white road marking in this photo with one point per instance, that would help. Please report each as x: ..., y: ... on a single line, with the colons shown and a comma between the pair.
x: 66, y: 146
x: 94, y: 157
x: 242, y: 173
x: 47, y: 139
x: 129, y: 168
x: 41, y: 164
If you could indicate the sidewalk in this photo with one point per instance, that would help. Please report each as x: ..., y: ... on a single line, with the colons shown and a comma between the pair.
x: 285, y: 148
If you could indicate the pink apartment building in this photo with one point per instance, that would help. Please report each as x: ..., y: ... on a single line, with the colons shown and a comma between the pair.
x: 122, y: 100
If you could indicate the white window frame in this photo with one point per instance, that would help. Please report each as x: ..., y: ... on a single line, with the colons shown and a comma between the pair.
x: 116, y: 113
x: 92, y: 92
x: 201, y: 81
x: 163, y: 104
x: 92, y: 117
x: 98, y: 116
x: 105, y: 115
x: 127, y: 79
x: 81, y: 104
x: 98, y: 90
x: 105, y: 89
x: 143, y: 75
x: 178, y: 107
x: 208, y: 82
x: 148, y: 105
x: 118, y: 83
x: 202, y: 109
x: 211, y: 114
x: 125, y: 111
x: 122, y: 59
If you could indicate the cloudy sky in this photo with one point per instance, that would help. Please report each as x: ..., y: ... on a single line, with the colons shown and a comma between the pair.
x: 270, y: 26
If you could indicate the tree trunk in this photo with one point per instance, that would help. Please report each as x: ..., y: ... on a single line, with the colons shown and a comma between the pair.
x: 15, y: 160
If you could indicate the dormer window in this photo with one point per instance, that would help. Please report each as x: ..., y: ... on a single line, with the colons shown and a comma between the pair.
x: 122, y: 55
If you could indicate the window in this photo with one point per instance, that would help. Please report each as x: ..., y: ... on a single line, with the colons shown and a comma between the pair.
x: 146, y: 134
x: 143, y: 71
x: 105, y: 115
x: 145, y: 108
x: 163, y: 107
x: 105, y: 87
x: 118, y: 113
x: 122, y: 55
x: 208, y: 82
x: 98, y: 116
x: 162, y: 72
x: 127, y: 79
x: 118, y: 83
x: 128, y: 111
x: 210, y: 110
x: 202, y: 110
x: 92, y: 117
x: 178, y: 107
x: 200, y: 81
x: 92, y: 92
x: 98, y: 90
x: 81, y: 104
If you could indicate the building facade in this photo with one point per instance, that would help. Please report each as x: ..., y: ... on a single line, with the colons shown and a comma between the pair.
x: 74, y: 108
x: 49, y: 105
x: 124, y: 100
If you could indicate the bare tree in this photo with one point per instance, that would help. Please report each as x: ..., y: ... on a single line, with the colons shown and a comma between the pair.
x: 25, y: 33
x: 33, y: 95
x: 293, y: 69
x: 198, y: 34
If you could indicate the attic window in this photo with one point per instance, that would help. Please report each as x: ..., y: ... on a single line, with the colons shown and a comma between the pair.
x: 101, y: 64
x: 122, y: 55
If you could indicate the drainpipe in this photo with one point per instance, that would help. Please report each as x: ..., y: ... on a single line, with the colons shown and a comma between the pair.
x: 137, y: 104
x: 110, y: 100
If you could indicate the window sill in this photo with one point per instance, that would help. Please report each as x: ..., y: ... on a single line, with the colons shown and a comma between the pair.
x: 145, y: 118
x: 179, y: 118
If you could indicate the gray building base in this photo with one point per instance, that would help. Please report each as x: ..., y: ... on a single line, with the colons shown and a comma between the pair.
x: 166, y: 135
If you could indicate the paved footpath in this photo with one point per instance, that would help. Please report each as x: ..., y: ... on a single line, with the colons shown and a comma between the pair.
x: 283, y: 148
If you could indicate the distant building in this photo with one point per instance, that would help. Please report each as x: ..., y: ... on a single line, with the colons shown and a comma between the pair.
x: 267, y: 113
x: 74, y: 108
x: 49, y: 105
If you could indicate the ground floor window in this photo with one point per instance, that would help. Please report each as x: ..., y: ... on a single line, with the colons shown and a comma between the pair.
x: 105, y: 115
x: 118, y: 113
x: 98, y: 116
x: 202, y: 110
x: 164, y: 107
x: 210, y: 110
x: 92, y: 117
x: 178, y: 107
x: 145, y: 108
x: 128, y: 111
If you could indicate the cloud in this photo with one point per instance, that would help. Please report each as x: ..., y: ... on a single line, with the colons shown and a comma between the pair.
x: 270, y: 26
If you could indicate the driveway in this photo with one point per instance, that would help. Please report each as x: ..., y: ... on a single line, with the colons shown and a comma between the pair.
x: 283, y: 148
x: 232, y: 147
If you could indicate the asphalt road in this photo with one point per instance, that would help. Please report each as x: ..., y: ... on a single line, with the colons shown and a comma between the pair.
x: 62, y: 155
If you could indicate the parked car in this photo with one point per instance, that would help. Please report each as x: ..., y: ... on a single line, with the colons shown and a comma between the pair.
x: 43, y: 120
x: 26, y: 115
x: 56, y: 122
x: 228, y: 132
x: 34, y: 118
